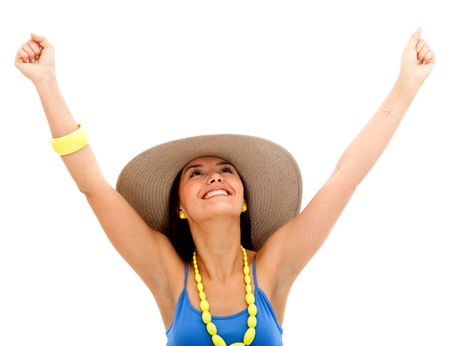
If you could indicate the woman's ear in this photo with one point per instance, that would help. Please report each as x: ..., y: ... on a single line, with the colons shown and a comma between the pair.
x: 181, y: 214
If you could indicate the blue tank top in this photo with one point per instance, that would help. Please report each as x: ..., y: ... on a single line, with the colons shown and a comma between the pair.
x: 188, y: 329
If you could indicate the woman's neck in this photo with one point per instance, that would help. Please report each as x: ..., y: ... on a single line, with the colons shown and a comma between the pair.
x: 218, y: 244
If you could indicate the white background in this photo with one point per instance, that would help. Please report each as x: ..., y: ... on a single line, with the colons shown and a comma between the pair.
x: 307, y: 75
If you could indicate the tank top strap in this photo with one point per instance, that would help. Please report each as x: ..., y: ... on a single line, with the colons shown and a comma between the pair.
x: 254, y: 272
x: 185, y: 273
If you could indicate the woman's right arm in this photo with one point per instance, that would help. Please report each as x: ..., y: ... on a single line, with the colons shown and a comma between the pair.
x: 141, y: 246
x: 82, y: 164
x: 36, y: 60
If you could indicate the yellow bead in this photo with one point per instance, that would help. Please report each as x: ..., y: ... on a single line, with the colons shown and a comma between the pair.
x: 249, y: 336
x: 248, y: 288
x: 249, y: 298
x: 252, y: 310
x: 251, y: 321
x: 204, y: 305
x: 206, y: 317
x: 212, y: 329
x: 218, y: 341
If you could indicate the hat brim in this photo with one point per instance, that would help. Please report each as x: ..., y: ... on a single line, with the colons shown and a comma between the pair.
x: 269, y: 172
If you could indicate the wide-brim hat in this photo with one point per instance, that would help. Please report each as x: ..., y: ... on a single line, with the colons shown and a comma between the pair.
x: 269, y: 172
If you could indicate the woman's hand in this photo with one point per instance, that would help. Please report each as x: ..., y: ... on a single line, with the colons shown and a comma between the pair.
x: 417, y: 61
x: 36, y: 59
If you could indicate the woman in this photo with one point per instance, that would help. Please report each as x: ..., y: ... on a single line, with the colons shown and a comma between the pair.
x: 192, y: 216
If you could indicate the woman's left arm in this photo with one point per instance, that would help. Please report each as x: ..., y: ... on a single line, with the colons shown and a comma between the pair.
x: 289, y: 249
x: 362, y: 153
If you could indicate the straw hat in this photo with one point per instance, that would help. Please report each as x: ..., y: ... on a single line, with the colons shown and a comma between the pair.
x: 269, y: 172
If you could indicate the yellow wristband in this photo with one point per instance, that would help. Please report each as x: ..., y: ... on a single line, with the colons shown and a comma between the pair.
x: 71, y: 142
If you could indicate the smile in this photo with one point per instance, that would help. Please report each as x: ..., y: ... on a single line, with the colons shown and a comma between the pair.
x: 215, y: 193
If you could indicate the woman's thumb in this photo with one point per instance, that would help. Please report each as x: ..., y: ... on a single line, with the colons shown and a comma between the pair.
x: 41, y: 40
x: 412, y: 43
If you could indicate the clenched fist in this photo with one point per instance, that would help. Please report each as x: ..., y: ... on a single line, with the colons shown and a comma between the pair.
x: 36, y: 58
x: 417, y: 61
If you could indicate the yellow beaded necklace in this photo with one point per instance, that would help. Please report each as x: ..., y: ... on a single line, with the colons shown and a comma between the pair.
x: 249, y: 298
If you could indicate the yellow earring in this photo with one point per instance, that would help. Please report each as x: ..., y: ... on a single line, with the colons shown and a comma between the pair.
x: 244, y: 207
x: 182, y: 215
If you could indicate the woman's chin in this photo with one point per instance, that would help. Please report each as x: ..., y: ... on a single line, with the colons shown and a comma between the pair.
x: 221, y: 210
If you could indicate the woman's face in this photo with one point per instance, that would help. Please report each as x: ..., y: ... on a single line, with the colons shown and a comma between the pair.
x: 210, y: 186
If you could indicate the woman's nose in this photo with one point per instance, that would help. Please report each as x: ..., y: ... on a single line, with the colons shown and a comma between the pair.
x: 214, y: 177
x: 212, y: 180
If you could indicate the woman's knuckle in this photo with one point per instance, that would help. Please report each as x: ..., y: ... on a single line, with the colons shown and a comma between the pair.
x: 34, y: 46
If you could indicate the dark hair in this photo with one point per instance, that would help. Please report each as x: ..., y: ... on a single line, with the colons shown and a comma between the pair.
x: 180, y: 234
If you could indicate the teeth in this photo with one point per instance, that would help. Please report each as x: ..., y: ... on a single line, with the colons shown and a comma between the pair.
x: 215, y: 192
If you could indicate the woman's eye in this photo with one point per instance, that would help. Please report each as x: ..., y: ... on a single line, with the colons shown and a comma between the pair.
x: 194, y: 172
x: 227, y: 169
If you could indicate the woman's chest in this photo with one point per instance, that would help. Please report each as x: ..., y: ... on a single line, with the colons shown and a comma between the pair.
x: 226, y: 299
x: 223, y: 301
x: 230, y: 317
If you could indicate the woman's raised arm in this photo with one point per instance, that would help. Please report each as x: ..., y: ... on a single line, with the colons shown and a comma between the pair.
x: 299, y: 239
x: 141, y: 246
x: 36, y: 60
x: 362, y: 153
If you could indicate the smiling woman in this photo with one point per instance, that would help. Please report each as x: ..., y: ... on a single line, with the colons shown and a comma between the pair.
x: 211, y: 214
x: 223, y: 201
x: 219, y: 180
x: 178, y: 227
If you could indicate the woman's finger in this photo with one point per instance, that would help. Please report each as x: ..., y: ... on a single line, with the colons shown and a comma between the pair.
x: 419, y: 45
x: 23, y: 54
x: 35, y: 47
x: 425, y: 49
x: 429, y: 57
x: 33, y: 54
x: 28, y: 49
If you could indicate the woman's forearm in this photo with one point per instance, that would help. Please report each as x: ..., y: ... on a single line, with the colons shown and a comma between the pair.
x: 82, y: 165
x: 59, y: 118
x: 362, y: 153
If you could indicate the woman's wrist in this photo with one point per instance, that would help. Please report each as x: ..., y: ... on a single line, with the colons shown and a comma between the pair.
x: 408, y: 85
x: 46, y: 80
x: 401, y: 96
